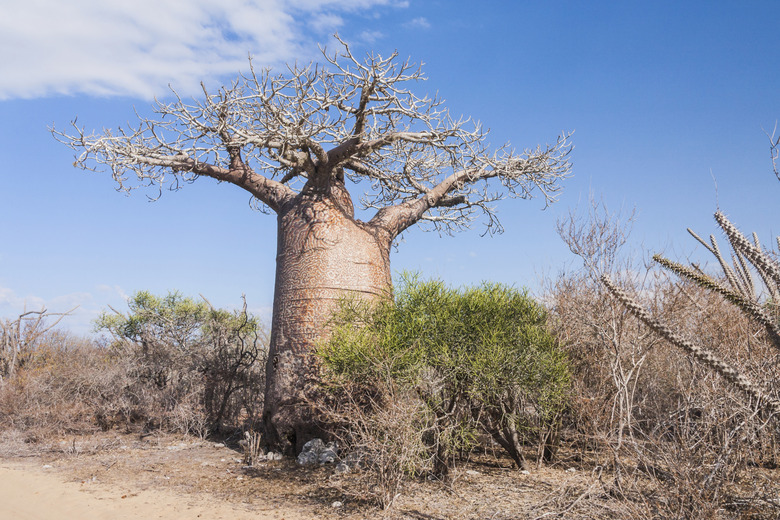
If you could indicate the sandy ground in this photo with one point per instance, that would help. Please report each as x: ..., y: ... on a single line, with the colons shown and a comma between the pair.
x: 123, y: 476
x: 34, y: 492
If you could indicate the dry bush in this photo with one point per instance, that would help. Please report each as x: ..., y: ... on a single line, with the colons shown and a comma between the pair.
x: 253, y: 447
x: 191, y: 368
x: 58, y: 383
x: 20, y: 337
x: 62, y: 386
x: 698, y: 437
x: 383, y: 433
x: 677, y: 437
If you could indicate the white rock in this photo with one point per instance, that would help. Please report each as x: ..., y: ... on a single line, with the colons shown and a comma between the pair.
x: 310, y: 452
x: 327, y: 457
x: 337, y: 504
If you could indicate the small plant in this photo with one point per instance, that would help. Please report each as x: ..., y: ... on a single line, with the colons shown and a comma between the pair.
x: 738, y: 287
x: 253, y: 448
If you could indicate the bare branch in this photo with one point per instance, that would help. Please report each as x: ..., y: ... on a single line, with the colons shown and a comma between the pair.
x: 269, y: 133
x: 18, y: 337
x: 470, y: 184
x: 774, y: 150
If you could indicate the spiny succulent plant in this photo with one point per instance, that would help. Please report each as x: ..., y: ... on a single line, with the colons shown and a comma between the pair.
x: 738, y: 286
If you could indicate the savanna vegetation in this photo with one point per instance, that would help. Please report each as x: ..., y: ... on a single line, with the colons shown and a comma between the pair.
x: 655, y: 378
x: 171, y: 363
x: 310, y: 144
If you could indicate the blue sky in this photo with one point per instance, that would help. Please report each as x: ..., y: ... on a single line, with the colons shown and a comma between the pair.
x: 667, y: 100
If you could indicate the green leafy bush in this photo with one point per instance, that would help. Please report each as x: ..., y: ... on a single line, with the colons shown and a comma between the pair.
x: 193, y: 367
x: 481, y: 359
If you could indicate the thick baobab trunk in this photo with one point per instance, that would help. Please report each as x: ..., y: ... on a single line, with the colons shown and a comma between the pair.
x: 323, y: 254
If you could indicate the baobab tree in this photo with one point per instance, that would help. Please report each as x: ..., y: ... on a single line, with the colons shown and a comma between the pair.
x: 299, y: 142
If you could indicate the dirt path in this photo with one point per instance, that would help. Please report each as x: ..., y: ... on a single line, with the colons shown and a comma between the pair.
x: 31, y: 491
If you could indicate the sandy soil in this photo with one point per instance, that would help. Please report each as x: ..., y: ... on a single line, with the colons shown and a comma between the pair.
x: 39, y: 492
x: 122, y: 476
x: 116, y: 476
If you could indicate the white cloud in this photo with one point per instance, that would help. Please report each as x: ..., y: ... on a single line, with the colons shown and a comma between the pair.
x: 418, y: 23
x: 370, y: 36
x: 326, y: 23
x: 109, y: 47
x: 114, y: 290
x: 12, y: 304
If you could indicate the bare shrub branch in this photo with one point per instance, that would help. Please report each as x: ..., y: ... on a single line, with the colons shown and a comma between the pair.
x: 774, y: 150
x: 761, y: 397
x: 19, y: 336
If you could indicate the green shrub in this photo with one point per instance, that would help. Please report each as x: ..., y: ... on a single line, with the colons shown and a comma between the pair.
x: 192, y: 367
x: 481, y: 359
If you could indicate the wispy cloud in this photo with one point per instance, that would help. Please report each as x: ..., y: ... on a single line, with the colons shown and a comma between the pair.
x: 418, y: 23
x: 9, y: 300
x: 138, y: 48
x: 370, y: 36
x: 326, y: 23
x: 82, y: 307
x: 114, y: 290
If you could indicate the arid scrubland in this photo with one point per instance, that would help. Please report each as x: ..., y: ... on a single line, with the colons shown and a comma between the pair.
x: 631, y: 388
x: 650, y: 431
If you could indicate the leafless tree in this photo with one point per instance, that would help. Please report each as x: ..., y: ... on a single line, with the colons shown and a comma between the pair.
x: 18, y: 337
x: 296, y: 141
x: 608, y: 351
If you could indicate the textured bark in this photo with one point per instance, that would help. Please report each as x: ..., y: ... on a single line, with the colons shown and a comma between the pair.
x: 323, y: 254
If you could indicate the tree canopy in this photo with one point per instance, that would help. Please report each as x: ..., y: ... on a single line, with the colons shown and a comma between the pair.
x: 275, y: 134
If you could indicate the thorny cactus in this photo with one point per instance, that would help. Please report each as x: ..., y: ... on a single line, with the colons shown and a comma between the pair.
x: 739, y: 288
